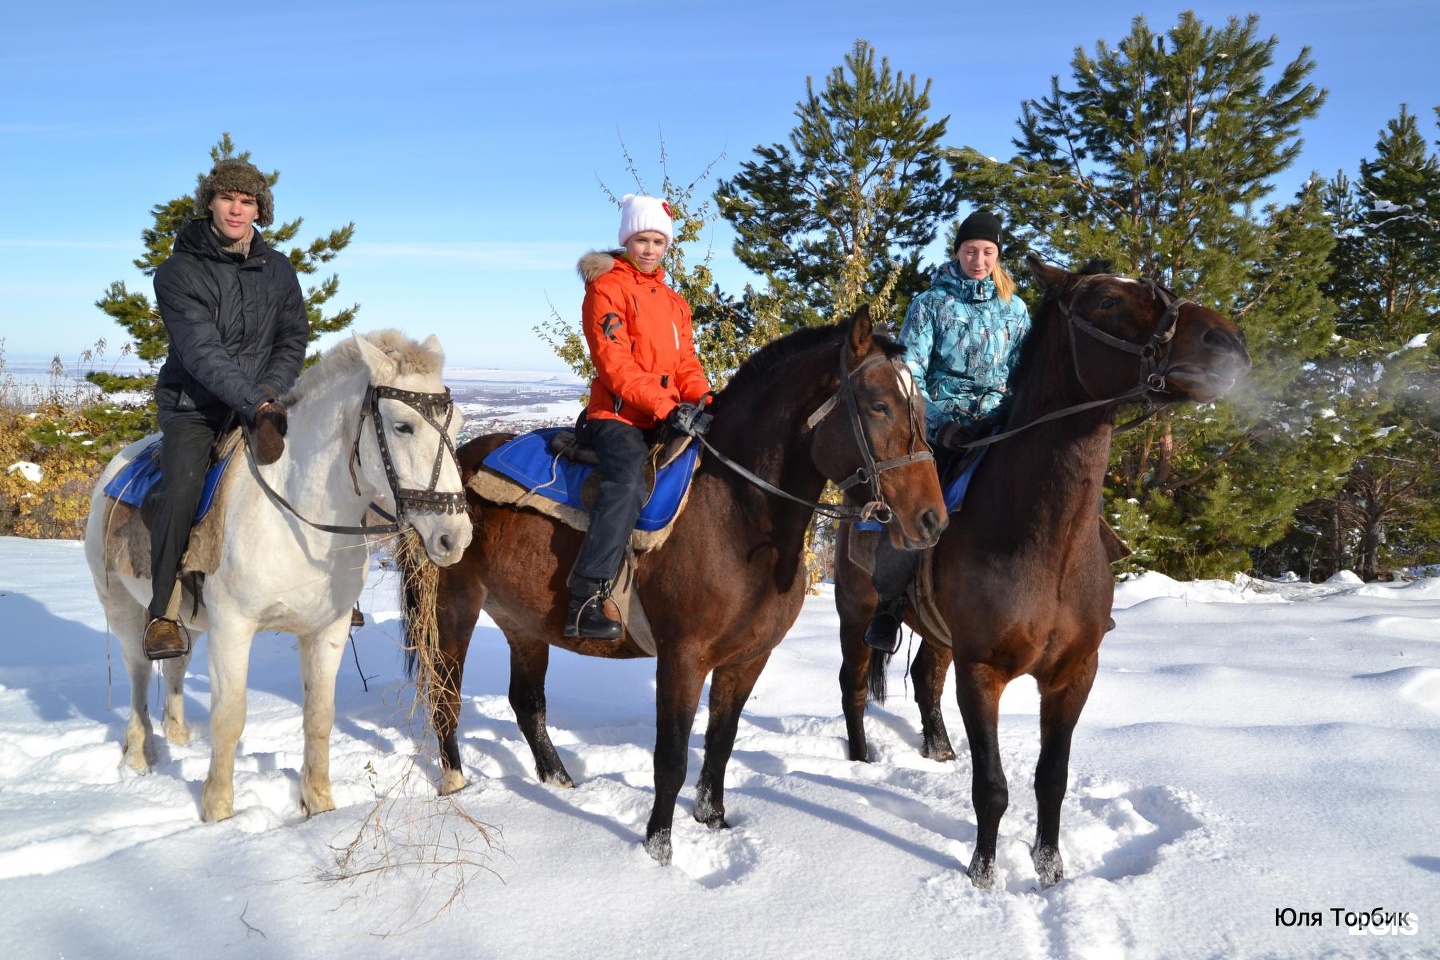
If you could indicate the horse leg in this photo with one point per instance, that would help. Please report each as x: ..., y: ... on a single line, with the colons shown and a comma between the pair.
x: 1060, y: 708
x: 928, y: 671
x: 978, y: 689
x: 529, y: 661
x: 856, y: 602
x: 460, y: 598
x: 730, y: 687
x: 127, y: 621
x: 229, y: 672
x: 320, y: 655
x: 177, y: 731
x: 678, y: 681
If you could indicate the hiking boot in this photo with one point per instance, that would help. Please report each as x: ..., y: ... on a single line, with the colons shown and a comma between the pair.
x: 165, y: 639
x: 587, y: 618
x: 883, y: 634
x: 357, y: 619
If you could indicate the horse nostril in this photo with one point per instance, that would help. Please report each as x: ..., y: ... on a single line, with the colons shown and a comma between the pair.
x: 932, y: 523
x: 446, y: 544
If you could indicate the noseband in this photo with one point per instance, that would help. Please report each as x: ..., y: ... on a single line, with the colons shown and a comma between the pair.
x: 877, y: 509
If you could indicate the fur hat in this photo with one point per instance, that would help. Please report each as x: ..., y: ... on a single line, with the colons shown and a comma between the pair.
x: 639, y: 213
x: 980, y: 225
x: 236, y: 176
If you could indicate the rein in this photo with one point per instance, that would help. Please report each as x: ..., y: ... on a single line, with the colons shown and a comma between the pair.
x: 876, y: 509
x: 428, y: 500
x: 1154, y: 355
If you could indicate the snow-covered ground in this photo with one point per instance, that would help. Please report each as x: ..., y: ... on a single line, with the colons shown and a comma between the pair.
x: 1256, y: 762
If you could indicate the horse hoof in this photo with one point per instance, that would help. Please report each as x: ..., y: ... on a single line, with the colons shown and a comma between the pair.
x: 558, y: 778
x: 321, y: 803
x: 1048, y: 867
x: 658, y: 846
x: 982, y: 873
x: 177, y: 733
x: 451, y: 781
x: 940, y: 753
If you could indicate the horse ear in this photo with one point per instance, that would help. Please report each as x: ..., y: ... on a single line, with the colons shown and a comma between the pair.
x: 382, y: 368
x: 861, y: 329
x: 1049, y: 277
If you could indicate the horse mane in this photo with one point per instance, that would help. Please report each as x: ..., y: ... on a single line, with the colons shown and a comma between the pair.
x: 801, y: 341
x: 343, y: 360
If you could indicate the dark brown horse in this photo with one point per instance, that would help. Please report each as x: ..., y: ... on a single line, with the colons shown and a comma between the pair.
x: 1022, y: 580
x: 728, y: 582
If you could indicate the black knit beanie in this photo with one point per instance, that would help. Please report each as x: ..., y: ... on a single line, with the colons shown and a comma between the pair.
x: 236, y: 176
x: 980, y: 225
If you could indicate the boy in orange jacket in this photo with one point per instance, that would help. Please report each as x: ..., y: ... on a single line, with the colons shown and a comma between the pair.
x: 647, y: 376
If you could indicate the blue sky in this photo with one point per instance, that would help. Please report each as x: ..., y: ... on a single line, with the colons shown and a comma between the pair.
x: 467, y: 140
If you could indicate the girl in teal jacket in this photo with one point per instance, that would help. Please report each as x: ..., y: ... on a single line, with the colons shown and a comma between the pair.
x: 962, y: 338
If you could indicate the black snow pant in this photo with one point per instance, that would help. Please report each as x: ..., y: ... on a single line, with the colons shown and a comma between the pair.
x: 622, y: 450
x: 184, y: 457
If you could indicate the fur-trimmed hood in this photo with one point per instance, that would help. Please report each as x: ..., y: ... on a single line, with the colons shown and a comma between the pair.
x: 597, y: 263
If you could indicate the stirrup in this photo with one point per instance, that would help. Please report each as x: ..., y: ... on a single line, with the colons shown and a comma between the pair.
x: 165, y: 639
x: 585, y: 618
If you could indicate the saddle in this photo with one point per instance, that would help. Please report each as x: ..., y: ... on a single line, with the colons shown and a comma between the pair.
x: 549, y: 472
x: 127, y: 516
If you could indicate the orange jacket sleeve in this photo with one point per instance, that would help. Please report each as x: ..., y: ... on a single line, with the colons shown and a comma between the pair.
x: 607, y: 319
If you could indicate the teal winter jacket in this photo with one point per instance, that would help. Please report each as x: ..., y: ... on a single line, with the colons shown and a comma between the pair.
x: 961, y: 342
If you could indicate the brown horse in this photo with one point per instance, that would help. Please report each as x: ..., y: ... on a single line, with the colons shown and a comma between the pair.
x: 830, y: 403
x: 1021, y: 579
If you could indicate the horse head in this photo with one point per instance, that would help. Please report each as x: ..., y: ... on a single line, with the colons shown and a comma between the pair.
x: 408, y: 459
x: 1134, y: 338
x: 877, y: 447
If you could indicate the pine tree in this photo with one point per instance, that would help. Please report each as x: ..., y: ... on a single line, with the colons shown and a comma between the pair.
x: 1385, y: 284
x: 1160, y: 159
x: 861, y: 181
x: 135, y: 313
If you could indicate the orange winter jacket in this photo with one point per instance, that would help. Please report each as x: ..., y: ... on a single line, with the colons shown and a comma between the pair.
x: 641, y: 342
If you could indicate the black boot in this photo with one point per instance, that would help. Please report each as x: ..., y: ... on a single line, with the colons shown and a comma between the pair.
x: 883, y: 634
x: 586, y: 615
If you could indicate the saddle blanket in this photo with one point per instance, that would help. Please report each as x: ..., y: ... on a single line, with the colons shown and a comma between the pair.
x: 528, y: 461
x: 954, y: 491
x: 140, y: 475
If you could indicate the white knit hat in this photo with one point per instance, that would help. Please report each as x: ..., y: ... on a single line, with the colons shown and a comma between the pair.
x: 639, y: 213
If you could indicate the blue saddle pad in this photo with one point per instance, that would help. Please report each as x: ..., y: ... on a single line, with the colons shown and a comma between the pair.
x: 954, y: 491
x: 529, y: 462
x: 137, y: 478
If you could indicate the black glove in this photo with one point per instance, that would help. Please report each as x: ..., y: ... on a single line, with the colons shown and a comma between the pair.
x: 955, y: 435
x: 271, y: 422
x: 689, y: 419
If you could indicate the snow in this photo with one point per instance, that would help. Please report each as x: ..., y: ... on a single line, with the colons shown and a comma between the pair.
x: 1250, y: 748
x: 30, y: 471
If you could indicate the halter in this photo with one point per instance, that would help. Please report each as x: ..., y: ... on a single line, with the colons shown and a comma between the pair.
x: 1154, y: 357
x: 407, y: 500
x: 877, y: 509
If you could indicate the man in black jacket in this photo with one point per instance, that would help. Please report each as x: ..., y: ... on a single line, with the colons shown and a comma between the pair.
x: 238, y: 329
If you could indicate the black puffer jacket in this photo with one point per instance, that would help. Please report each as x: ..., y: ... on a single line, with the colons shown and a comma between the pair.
x: 238, y: 330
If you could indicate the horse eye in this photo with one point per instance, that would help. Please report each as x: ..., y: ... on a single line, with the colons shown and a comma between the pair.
x: 880, y: 406
x: 403, y: 427
x: 1108, y: 302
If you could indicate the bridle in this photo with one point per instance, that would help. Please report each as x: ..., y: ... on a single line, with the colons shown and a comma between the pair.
x: 1154, y: 356
x: 868, y: 473
x: 408, y: 500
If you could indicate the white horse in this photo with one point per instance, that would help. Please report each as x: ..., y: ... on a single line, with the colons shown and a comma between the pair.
x: 277, y: 571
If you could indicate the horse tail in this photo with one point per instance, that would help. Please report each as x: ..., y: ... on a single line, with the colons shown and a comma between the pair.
x: 879, y: 660
x: 419, y: 625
